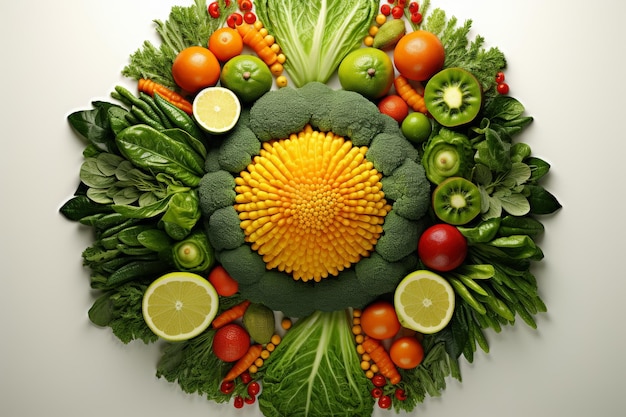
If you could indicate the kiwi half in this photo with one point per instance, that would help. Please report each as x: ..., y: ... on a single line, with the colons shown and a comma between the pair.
x: 456, y: 201
x: 453, y: 97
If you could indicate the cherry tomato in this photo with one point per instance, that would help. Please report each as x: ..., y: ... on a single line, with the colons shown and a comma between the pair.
x: 245, y: 5
x: 379, y: 320
x: 397, y: 12
x: 400, y: 394
x: 379, y: 380
x: 214, y: 10
x: 500, y: 77
x: 224, y: 284
x: 238, y: 402
x: 250, y: 400
x: 384, y: 401
x: 234, y: 19
x: 503, y: 88
x: 254, y: 388
x: 385, y: 9
x: 227, y: 387
x: 249, y: 18
x: 414, y: 7
x: 377, y: 392
x: 442, y: 247
x: 416, y: 17
x: 406, y: 352
x: 245, y: 377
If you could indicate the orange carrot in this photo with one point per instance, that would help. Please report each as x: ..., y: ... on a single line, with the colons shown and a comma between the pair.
x: 382, y: 359
x: 253, y: 353
x: 255, y: 40
x: 409, y: 94
x: 150, y: 87
x: 231, y: 314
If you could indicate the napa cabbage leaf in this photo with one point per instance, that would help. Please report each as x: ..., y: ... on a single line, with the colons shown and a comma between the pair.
x: 316, y: 35
x: 315, y: 371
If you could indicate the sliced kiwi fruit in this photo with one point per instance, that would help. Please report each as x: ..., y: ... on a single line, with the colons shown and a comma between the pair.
x: 456, y: 201
x: 453, y: 97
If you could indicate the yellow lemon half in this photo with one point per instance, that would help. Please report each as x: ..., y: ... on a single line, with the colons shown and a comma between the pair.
x: 216, y: 109
x: 424, y: 301
x: 179, y: 305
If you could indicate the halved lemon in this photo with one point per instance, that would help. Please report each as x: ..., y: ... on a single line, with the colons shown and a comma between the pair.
x: 179, y: 305
x: 216, y: 109
x: 424, y: 301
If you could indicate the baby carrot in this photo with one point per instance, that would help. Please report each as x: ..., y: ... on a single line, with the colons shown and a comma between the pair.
x: 150, y: 87
x: 231, y: 314
x: 253, y: 353
x: 409, y: 94
x: 382, y: 359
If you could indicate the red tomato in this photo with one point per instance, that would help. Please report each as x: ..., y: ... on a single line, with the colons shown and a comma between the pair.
x: 418, y: 55
x: 442, y: 247
x: 379, y: 320
x: 406, y: 352
x: 195, y: 68
x: 224, y: 284
x: 231, y: 342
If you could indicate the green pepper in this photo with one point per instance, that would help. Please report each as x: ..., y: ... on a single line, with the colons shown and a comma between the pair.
x: 483, y: 232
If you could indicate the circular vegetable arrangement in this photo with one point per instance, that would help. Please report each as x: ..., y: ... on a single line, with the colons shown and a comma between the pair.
x: 369, y: 237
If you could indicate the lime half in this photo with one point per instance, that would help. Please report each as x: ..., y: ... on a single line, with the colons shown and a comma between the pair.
x: 424, y: 301
x: 179, y: 305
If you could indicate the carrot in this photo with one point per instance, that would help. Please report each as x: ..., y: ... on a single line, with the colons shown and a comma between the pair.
x: 382, y: 359
x: 254, y: 39
x: 231, y: 314
x: 253, y: 353
x: 150, y: 87
x: 409, y: 94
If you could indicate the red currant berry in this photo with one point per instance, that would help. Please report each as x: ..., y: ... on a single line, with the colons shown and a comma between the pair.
x: 500, y: 77
x: 503, y: 88
x: 385, y: 9
x: 397, y: 12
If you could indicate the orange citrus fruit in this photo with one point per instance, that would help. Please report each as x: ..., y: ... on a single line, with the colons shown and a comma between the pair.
x: 225, y: 43
x: 195, y: 68
x: 394, y: 106
x: 419, y: 55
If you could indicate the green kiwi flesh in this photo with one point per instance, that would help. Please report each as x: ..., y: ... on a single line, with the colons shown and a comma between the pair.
x: 453, y: 97
x: 456, y: 201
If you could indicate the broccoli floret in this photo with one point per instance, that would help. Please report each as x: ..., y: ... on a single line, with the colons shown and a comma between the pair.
x: 244, y: 265
x: 216, y: 190
x: 355, y: 117
x: 399, y: 237
x: 319, y: 94
x: 378, y: 276
x: 223, y: 229
x: 279, y: 113
x: 238, y: 149
x: 409, y: 189
x: 388, y: 152
x: 211, y: 162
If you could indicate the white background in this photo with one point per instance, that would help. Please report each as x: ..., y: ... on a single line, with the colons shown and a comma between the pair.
x: 565, y: 64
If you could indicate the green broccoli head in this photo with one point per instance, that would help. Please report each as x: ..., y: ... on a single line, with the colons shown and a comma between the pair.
x: 409, y: 189
x: 277, y: 115
x: 216, y: 190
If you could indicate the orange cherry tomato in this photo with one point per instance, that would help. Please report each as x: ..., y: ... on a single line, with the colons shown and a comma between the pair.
x: 195, y: 68
x: 224, y: 284
x: 419, y: 55
x: 379, y: 320
x: 225, y: 43
x: 406, y: 352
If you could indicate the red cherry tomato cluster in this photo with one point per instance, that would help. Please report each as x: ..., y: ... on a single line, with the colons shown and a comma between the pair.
x: 236, y: 18
x: 253, y: 388
x: 395, y: 9
x: 383, y: 395
x: 502, y: 87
